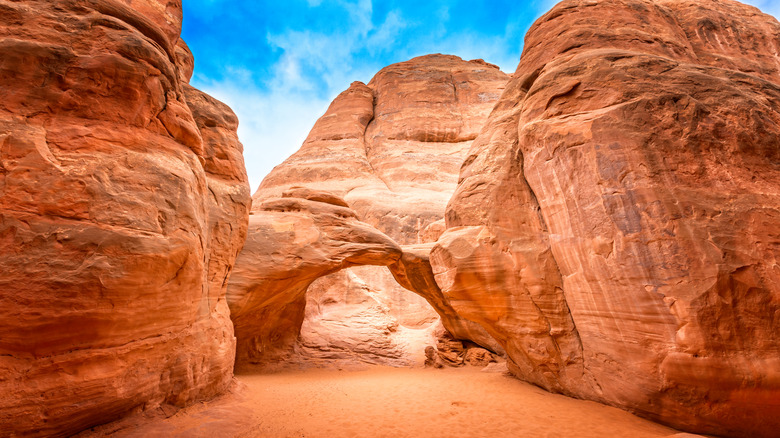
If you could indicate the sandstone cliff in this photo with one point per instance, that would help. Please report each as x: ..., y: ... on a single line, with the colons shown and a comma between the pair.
x: 123, y: 204
x: 616, y: 224
x: 391, y: 149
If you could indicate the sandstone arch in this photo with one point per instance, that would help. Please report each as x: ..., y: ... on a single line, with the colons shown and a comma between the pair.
x: 390, y: 149
x: 303, y: 236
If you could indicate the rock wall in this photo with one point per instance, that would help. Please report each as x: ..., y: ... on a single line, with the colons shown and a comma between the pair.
x: 123, y: 204
x: 391, y: 149
x: 616, y: 222
x: 614, y: 227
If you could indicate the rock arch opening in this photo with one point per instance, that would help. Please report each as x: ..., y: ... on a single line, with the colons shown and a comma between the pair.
x: 310, y: 286
x: 374, y: 174
x: 361, y: 315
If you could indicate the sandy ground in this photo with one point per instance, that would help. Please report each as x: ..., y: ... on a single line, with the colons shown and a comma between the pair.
x: 391, y: 402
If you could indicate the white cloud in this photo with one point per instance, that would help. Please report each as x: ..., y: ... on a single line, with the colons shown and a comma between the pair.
x: 384, y: 35
x: 771, y: 7
x: 272, y: 125
x: 277, y: 115
x: 277, y: 112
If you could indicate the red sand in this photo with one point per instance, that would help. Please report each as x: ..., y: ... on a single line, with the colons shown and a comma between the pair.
x: 391, y: 402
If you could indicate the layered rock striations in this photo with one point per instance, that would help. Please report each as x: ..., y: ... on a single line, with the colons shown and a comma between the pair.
x: 615, y: 226
x: 123, y: 203
x: 613, y: 229
x: 391, y: 150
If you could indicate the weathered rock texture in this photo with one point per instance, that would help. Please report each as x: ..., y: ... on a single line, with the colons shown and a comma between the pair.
x: 413, y: 271
x: 392, y: 150
x: 617, y: 222
x: 291, y: 242
x: 123, y: 204
x: 451, y: 352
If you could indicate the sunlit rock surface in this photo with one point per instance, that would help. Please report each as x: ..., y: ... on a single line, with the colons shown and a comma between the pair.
x: 391, y: 149
x: 617, y: 222
x: 614, y: 227
x: 123, y: 203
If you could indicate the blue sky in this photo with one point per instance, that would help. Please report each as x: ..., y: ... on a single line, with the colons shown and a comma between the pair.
x: 278, y: 64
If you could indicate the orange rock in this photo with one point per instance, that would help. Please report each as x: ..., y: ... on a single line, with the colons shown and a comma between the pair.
x: 291, y: 243
x: 413, y: 272
x: 615, y: 227
x: 395, y: 159
x: 115, y: 237
x: 391, y: 149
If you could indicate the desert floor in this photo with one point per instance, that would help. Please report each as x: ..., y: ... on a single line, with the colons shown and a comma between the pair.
x: 389, y: 402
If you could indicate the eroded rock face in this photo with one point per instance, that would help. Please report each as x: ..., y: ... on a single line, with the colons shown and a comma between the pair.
x: 413, y: 271
x: 391, y: 149
x: 123, y: 203
x: 616, y: 222
x: 291, y: 242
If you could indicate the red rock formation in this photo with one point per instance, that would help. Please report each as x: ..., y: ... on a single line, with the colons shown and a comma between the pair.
x: 395, y: 159
x: 413, y: 271
x: 616, y: 222
x: 123, y: 202
x: 392, y: 150
x: 292, y: 241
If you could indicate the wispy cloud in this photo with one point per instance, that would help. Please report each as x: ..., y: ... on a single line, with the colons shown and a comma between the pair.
x: 273, y: 124
x: 771, y: 7
x: 284, y: 80
x: 277, y: 111
x: 279, y: 64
